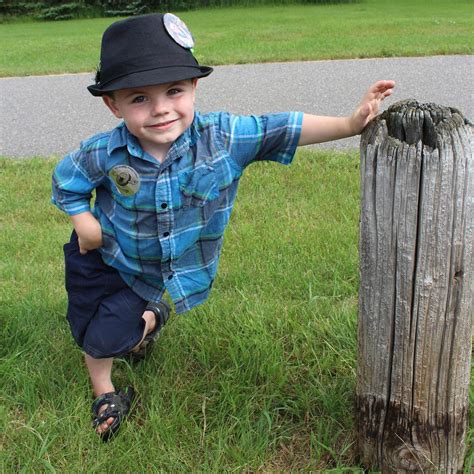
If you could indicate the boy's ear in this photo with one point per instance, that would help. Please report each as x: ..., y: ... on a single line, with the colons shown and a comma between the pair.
x: 110, y: 103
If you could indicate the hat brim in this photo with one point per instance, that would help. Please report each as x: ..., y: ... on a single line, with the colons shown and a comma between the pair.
x: 150, y: 78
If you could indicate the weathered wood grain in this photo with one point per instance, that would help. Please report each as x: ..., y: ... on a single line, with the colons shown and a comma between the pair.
x: 416, y: 289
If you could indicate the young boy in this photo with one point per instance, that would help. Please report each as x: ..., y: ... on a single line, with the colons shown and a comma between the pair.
x: 165, y: 182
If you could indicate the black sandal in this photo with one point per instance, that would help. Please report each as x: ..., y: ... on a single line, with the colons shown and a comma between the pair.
x: 118, y: 406
x: 162, y: 314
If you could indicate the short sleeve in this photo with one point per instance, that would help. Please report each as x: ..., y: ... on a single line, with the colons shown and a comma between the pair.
x: 272, y: 137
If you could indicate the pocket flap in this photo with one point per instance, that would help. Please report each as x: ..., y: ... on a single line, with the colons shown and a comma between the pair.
x: 200, y: 183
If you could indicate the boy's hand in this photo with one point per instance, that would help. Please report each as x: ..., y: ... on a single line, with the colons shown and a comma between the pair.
x: 318, y: 128
x: 86, y: 244
x: 88, y: 230
x: 370, y: 104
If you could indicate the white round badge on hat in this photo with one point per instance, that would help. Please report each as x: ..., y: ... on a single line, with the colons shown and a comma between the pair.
x: 178, y: 30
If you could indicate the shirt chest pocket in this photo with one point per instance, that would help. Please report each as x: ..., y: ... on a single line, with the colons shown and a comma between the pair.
x: 198, y: 186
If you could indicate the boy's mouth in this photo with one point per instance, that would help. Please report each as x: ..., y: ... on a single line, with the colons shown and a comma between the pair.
x: 162, y: 125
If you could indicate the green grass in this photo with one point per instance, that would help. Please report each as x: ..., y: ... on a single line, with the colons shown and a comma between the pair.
x: 371, y: 28
x: 260, y: 378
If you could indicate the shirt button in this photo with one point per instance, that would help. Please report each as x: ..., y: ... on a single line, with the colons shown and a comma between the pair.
x: 166, y: 234
x: 164, y: 205
x: 170, y: 276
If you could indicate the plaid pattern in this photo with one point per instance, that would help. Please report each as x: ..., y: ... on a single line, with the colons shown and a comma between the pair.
x: 168, y: 234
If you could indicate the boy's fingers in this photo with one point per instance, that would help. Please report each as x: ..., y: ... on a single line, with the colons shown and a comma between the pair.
x: 386, y: 84
x: 82, y: 250
x: 383, y: 86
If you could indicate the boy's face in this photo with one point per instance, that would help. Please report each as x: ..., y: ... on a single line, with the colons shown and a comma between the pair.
x: 156, y: 115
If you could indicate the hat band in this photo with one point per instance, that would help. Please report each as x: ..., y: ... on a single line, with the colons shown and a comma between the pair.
x: 116, y: 78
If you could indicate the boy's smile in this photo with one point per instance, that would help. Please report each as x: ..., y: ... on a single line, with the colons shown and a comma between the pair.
x: 156, y: 115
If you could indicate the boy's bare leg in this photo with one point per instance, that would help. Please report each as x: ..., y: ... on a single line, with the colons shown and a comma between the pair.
x: 150, y: 323
x: 100, y: 372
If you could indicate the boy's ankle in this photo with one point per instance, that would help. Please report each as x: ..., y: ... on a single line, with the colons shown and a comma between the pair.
x: 99, y: 390
x: 150, y: 321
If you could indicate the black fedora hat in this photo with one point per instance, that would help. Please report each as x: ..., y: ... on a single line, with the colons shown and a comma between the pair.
x: 144, y: 51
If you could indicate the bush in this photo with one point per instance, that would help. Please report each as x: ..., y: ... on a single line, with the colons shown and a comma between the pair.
x: 20, y: 8
x: 118, y: 8
x: 61, y: 12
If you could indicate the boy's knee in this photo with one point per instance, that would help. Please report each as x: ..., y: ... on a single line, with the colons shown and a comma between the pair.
x: 100, y: 343
x: 116, y: 328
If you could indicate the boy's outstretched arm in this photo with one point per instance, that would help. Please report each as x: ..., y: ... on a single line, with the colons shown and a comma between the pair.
x: 318, y: 129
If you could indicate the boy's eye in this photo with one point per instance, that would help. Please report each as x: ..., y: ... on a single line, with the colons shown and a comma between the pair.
x: 174, y: 91
x: 138, y: 99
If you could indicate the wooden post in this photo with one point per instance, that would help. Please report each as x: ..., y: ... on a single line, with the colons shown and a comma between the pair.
x: 416, y: 290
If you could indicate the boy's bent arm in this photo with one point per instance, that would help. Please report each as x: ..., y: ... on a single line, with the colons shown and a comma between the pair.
x: 88, y: 231
x: 318, y: 129
x: 74, y: 179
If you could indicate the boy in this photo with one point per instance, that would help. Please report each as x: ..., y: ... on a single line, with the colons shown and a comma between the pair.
x: 165, y: 181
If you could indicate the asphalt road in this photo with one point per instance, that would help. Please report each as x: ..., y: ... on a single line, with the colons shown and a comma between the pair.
x: 50, y: 115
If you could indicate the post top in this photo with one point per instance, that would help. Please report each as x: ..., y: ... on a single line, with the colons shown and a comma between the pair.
x: 411, y: 122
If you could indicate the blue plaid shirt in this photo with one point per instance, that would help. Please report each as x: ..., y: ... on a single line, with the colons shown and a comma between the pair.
x: 163, y: 223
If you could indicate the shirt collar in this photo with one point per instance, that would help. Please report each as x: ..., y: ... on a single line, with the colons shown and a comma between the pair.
x: 185, y: 141
x: 121, y: 137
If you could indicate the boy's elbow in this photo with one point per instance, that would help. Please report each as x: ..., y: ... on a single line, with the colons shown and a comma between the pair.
x: 68, y: 202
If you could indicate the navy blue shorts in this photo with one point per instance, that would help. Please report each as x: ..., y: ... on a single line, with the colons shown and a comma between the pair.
x: 104, y: 314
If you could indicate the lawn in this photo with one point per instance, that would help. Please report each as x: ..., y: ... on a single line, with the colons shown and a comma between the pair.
x: 259, y: 378
x: 370, y: 28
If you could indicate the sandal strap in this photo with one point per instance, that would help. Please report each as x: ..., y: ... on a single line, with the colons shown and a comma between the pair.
x: 161, y: 311
x: 118, y: 405
x: 103, y: 399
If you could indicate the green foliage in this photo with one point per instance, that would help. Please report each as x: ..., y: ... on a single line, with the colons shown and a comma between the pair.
x: 123, y: 8
x: 57, y: 10
x: 8, y: 7
x: 67, y: 11
x: 48, y: 10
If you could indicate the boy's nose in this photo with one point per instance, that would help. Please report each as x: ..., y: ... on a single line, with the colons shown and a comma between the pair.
x: 159, y: 106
